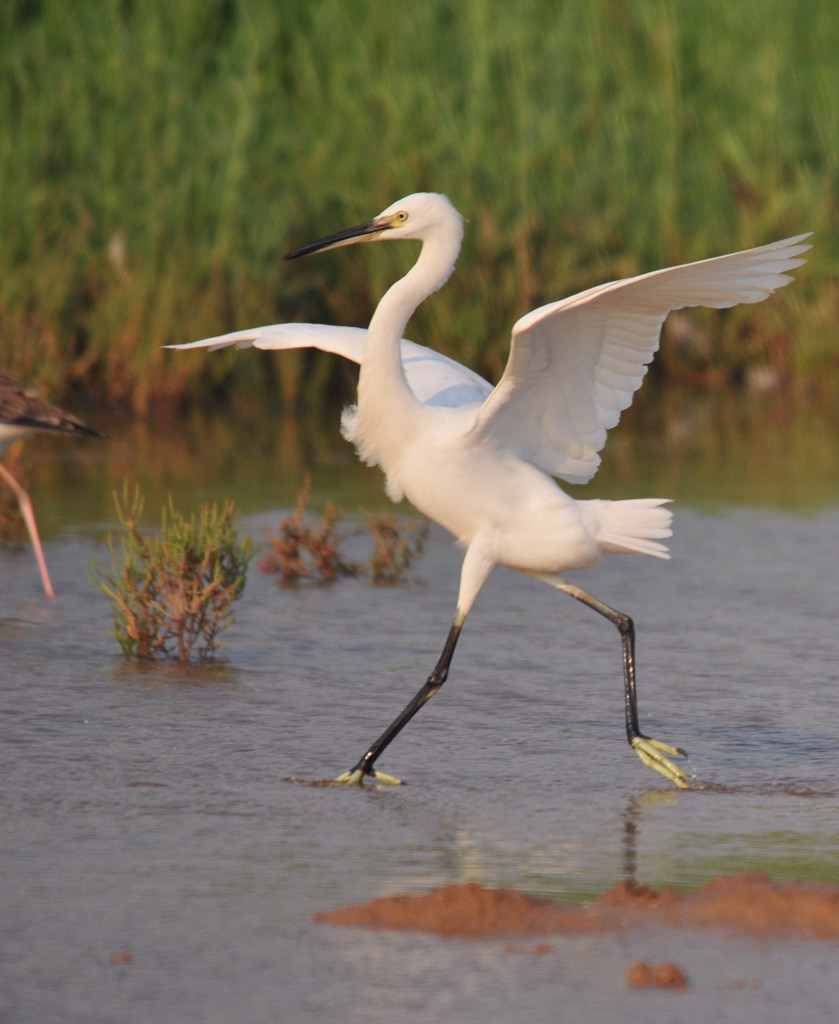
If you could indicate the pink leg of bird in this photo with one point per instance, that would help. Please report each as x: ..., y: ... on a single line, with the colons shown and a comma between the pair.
x: 29, y: 518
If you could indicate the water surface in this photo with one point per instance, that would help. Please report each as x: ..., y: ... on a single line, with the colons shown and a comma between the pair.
x: 144, y: 813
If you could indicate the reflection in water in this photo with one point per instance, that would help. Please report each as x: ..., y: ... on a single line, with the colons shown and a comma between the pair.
x: 629, y: 846
x: 723, y: 448
x: 632, y: 818
x: 158, y: 673
x: 710, y: 447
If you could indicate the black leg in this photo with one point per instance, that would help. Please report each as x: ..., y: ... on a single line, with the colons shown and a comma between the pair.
x: 364, y: 767
x: 652, y: 752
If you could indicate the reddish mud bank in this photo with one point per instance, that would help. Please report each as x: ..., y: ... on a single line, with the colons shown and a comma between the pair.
x: 644, y: 975
x: 750, y: 904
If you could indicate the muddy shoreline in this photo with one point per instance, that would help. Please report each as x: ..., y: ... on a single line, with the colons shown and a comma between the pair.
x: 744, y: 904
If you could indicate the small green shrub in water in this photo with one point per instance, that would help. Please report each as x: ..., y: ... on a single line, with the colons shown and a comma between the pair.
x: 174, y: 589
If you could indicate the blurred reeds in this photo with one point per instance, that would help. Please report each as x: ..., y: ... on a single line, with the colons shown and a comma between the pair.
x: 157, y: 158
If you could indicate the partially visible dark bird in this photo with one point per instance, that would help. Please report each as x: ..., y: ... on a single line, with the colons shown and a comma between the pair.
x: 23, y: 413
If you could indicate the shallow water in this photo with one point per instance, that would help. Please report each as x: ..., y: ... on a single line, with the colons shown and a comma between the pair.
x: 145, y: 817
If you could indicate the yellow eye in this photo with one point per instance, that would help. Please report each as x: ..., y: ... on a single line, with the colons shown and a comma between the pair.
x: 401, y: 217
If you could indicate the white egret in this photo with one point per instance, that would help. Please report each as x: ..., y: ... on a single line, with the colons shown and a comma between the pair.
x: 23, y: 413
x: 481, y: 460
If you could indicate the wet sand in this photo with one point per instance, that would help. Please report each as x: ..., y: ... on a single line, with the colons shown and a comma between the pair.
x: 746, y: 904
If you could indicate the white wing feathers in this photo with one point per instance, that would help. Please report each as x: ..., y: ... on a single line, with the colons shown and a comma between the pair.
x: 434, y: 378
x: 341, y: 341
x: 575, y: 364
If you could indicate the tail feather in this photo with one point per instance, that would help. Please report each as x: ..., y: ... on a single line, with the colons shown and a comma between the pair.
x: 636, y: 526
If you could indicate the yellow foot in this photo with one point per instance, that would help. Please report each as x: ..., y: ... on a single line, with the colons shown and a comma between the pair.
x: 654, y: 754
x: 354, y: 777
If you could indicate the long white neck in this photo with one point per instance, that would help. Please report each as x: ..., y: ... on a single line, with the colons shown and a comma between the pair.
x: 387, y: 408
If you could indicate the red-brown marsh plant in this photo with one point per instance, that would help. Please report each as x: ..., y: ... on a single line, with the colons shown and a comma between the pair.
x: 303, y: 551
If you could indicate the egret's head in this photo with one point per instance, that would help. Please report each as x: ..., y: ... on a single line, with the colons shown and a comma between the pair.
x: 416, y: 216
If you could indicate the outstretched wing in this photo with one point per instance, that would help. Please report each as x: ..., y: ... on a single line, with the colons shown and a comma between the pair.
x: 434, y: 378
x: 575, y: 365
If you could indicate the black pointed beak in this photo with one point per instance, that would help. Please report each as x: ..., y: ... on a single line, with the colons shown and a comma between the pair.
x: 349, y: 236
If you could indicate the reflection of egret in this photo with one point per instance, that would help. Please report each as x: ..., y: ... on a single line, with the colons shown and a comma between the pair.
x: 478, y: 459
x: 632, y: 817
x: 22, y: 413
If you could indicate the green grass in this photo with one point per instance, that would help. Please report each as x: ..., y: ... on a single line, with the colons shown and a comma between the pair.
x: 158, y: 158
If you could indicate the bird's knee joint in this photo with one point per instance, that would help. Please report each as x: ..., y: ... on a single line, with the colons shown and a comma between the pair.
x: 435, y: 681
x: 625, y: 624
